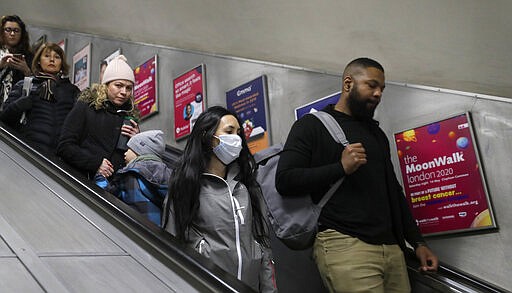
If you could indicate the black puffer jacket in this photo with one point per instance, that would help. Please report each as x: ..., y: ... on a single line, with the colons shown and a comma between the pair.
x: 91, y: 131
x: 16, y: 76
x: 46, y: 107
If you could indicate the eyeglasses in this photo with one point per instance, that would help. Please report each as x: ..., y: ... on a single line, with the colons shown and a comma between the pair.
x: 10, y: 30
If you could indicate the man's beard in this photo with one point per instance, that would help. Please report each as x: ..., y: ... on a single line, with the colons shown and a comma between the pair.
x: 358, y: 107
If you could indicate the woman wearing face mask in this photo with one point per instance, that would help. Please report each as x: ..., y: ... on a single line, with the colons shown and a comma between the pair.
x: 213, y: 204
x: 39, y: 114
x: 95, y: 132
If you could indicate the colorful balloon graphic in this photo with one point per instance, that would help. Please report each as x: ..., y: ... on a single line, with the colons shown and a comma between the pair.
x: 451, y: 134
x: 433, y: 128
x: 137, y: 70
x: 409, y: 135
x: 482, y: 220
x: 462, y: 142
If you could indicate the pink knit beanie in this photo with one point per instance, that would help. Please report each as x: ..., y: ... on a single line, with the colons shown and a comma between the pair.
x: 118, y: 69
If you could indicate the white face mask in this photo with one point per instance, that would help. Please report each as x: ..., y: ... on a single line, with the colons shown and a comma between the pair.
x: 229, y: 148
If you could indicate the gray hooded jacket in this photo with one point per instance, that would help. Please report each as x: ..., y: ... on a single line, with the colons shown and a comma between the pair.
x: 222, y: 231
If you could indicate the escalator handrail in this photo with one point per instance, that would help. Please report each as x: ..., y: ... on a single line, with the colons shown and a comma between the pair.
x: 166, y: 249
x: 450, y: 277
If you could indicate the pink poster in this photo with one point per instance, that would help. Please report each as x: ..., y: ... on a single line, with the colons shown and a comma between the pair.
x: 144, y: 93
x: 189, y: 100
x: 442, y: 177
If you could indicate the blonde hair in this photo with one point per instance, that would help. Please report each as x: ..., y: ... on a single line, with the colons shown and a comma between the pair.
x: 101, y: 93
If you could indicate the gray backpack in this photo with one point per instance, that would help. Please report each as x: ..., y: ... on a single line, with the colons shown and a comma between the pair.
x: 294, y: 219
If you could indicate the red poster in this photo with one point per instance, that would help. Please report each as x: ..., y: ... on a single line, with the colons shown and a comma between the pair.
x: 189, y: 100
x: 144, y: 93
x: 442, y: 177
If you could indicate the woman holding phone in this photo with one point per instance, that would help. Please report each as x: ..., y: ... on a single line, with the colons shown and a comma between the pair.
x: 95, y: 132
x: 39, y: 113
x: 15, y: 54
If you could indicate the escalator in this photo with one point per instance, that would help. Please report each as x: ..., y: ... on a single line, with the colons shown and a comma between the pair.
x: 446, y: 279
x: 60, y: 233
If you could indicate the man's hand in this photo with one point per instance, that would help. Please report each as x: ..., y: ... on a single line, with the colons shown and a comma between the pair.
x: 352, y: 157
x: 427, y: 258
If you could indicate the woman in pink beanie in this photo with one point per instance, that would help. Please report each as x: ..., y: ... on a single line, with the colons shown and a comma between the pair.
x: 95, y: 132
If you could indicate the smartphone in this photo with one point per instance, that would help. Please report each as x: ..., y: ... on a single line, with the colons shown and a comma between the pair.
x: 18, y: 56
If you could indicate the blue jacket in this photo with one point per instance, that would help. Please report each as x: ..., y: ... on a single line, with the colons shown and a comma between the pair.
x: 142, y: 184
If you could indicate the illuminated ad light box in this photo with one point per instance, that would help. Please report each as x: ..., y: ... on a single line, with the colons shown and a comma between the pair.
x: 145, y: 90
x: 249, y: 101
x: 443, y: 178
x: 316, y: 105
x: 189, y: 100
x: 81, y: 67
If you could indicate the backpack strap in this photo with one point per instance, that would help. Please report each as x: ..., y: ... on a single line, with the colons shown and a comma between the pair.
x: 267, y: 153
x: 339, y: 136
x: 332, y: 126
x: 27, y: 84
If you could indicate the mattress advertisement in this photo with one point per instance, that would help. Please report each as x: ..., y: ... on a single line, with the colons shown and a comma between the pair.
x: 249, y: 102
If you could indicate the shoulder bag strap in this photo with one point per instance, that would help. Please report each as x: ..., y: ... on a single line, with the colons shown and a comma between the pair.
x: 27, y: 84
x: 338, y: 135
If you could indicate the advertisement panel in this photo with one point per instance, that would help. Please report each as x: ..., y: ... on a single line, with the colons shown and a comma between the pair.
x: 145, y: 90
x: 443, y: 179
x: 189, y: 100
x: 316, y: 105
x: 82, y: 67
x: 249, y: 102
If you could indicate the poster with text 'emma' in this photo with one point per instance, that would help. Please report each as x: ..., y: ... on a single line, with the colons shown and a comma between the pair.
x: 443, y: 180
x: 189, y: 100
x: 249, y: 102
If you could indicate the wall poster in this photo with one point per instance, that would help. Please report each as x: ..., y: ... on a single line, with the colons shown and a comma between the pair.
x: 249, y: 101
x: 35, y: 45
x: 62, y: 44
x: 81, y: 67
x: 316, y: 105
x: 189, y: 100
x: 443, y: 178
x: 145, y: 90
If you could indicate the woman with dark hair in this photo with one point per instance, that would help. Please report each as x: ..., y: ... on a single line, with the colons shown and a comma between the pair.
x: 40, y: 113
x: 214, y: 203
x: 15, y: 54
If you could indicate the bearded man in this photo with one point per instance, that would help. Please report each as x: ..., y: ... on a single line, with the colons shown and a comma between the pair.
x: 364, y: 227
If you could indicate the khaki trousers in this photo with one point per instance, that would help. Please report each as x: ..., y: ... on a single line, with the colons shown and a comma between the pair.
x: 348, y: 264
